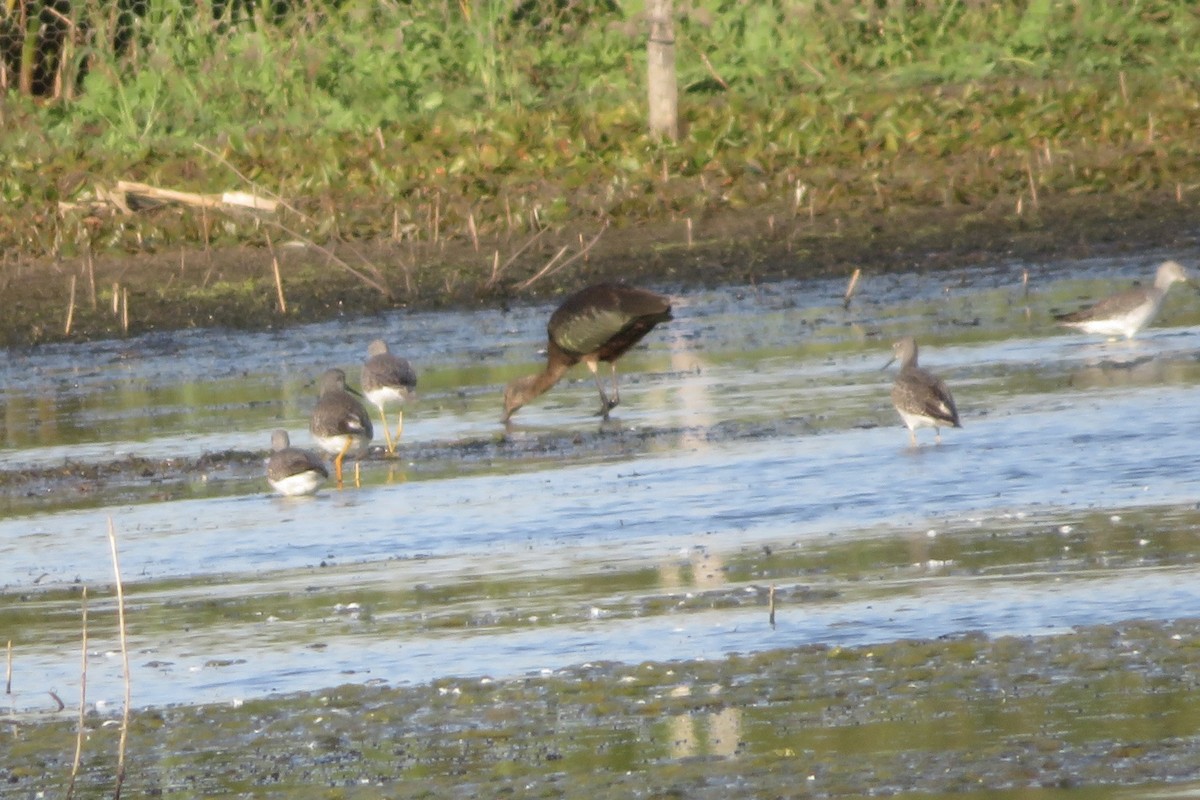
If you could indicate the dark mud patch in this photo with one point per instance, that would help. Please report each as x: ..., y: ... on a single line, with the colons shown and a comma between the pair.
x: 1105, y: 706
x: 137, y: 478
x: 182, y: 287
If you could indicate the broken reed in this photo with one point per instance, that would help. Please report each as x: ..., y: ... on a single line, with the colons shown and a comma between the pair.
x: 79, y: 726
x: 112, y: 542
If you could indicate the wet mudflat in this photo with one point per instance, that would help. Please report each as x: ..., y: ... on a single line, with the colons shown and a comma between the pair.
x: 574, y: 607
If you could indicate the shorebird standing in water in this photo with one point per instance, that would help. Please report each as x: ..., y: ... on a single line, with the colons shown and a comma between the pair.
x: 292, y: 471
x: 340, y: 424
x: 595, y: 324
x: 388, y: 379
x: 920, y: 397
x: 1127, y: 312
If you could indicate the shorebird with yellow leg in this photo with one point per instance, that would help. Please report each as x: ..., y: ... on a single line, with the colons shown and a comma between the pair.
x: 1125, y: 313
x: 388, y: 379
x: 340, y: 424
x: 921, y: 398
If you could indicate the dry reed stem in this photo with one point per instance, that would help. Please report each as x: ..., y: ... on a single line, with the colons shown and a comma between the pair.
x: 771, y: 606
x: 473, y: 230
x: 689, y: 233
x: 378, y: 285
x: 377, y: 282
x: 852, y: 287
x: 91, y: 273
x: 550, y: 267
x: 498, y: 271
x: 798, y: 197
x: 8, y: 670
x: 82, y: 698
x: 278, y: 276
x: 125, y: 311
x: 1033, y: 195
x: 70, y: 309
x: 437, y: 216
x: 112, y: 542
x: 116, y: 298
x: 248, y: 181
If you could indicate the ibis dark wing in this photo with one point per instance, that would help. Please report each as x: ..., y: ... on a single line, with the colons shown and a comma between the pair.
x: 590, y: 319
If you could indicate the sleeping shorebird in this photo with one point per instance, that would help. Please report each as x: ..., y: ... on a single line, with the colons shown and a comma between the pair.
x: 921, y: 398
x: 388, y: 379
x: 1127, y: 312
x: 292, y: 471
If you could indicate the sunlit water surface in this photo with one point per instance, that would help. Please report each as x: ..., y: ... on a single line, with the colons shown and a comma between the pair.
x: 755, y: 447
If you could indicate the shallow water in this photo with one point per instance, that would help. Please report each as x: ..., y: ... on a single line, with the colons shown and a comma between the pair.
x: 756, y: 446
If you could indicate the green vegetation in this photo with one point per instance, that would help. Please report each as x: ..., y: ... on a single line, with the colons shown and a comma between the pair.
x: 367, y: 112
x: 466, y: 120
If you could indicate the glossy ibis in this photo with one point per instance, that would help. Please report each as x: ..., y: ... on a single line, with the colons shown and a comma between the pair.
x: 595, y: 324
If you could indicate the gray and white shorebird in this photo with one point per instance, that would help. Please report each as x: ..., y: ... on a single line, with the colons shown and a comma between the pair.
x: 1127, y: 312
x: 386, y: 380
x: 340, y: 424
x: 292, y: 471
x: 921, y: 398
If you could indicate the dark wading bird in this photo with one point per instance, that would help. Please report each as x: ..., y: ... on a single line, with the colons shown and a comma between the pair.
x: 388, y: 379
x: 595, y: 324
x: 921, y: 398
x: 292, y: 471
x: 1125, y: 313
x: 340, y: 424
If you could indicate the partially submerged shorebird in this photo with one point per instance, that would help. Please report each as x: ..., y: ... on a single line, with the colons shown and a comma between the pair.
x: 595, y: 324
x: 292, y: 471
x: 340, y: 423
x: 1127, y: 312
x: 921, y: 398
x: 387, y: 380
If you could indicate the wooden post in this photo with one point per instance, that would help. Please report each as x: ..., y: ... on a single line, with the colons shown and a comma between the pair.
x: 664, y: 91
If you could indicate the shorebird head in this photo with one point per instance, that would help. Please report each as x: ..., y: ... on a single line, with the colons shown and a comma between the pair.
x: 1170, y: 272
x: 903, y: 350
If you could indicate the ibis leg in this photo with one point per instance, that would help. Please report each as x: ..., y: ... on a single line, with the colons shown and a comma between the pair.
x: 606, y: 405
x: 616, y: 392
x: 399, y: 427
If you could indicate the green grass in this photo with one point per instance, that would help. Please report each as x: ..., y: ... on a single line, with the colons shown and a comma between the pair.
x: 373, y: 119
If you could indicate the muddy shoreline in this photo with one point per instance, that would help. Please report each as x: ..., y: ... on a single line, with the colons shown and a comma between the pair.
x: 961, y: 714
x: 186, y: 286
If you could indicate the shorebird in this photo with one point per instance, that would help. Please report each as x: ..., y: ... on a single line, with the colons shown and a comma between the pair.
x: 388, y: 379
x: 292, y: 471
x: 1127, y: 312
x: 921, y: 398
x: 339, y: 423
x: 595, y: 324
